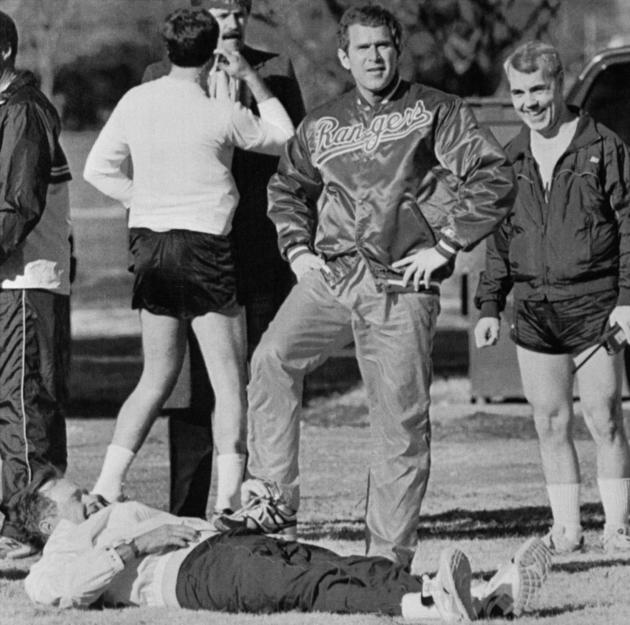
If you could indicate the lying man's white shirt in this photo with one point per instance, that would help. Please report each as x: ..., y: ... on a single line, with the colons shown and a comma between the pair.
x: 79, y: 564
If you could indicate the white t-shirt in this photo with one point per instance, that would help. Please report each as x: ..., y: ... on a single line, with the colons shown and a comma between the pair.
x: 547, y: 152
x: 181, y: 144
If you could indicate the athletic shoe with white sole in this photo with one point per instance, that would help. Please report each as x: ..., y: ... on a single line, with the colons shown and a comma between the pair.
x: 451, y: 587
x: 12, y: 549
x: 617, y: 541
x: 516, y: 585
x: 559, y: 545
x: 266, y: 511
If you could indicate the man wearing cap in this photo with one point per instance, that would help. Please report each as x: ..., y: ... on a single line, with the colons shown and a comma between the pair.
x: 264, y: 277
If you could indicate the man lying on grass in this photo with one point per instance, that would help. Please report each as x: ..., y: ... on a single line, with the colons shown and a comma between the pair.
x: 127, y: 554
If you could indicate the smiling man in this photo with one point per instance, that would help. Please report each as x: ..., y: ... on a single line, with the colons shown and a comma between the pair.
x: 566, y: 251
x: 372, y: 201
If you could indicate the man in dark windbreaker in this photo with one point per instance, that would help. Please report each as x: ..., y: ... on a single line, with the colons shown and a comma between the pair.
x: 34, y: 286
x: 373, y: 199
x: 565, y: 250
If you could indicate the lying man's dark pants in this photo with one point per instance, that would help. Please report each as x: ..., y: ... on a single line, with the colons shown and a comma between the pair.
x: 243, y: 572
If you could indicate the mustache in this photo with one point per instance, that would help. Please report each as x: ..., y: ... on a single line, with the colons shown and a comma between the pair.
x: 231, y: 34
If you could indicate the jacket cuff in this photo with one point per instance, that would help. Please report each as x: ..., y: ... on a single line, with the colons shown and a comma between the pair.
x: 447, y: 248
x: 296, y: 251
x: 489, y: 308
x: 624, y: 297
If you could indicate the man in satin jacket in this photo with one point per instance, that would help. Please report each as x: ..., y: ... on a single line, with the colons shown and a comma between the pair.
x: 374, y: 197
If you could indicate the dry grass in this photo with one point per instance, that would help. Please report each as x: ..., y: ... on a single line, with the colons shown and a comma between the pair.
x: 485, y: 495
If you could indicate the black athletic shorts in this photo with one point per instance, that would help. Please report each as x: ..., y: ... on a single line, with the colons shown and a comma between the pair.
x: 562, y: 327
x: 182, y: 273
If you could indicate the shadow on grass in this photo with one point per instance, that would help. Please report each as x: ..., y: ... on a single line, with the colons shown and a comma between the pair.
x: 13, y: 575
x: 105, y: 370
x: 557, y: 611
x: 566, y: 567
x: 587, y: 565
x: 462, y: 524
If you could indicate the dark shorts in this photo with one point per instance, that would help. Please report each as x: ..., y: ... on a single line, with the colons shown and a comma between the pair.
x: 562, y: 327
x: 181, y: 273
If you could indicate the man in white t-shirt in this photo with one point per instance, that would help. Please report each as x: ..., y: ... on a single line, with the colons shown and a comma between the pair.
x: 565, y: 249
x: 181, y: 201
x: 264, y: 277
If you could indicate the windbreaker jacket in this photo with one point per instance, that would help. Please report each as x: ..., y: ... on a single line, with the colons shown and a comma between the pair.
x: 34, y: 202
x: 575, y: 239
x: 413, y: 172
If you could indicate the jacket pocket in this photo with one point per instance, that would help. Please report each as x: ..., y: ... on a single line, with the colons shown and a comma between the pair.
x: 413, y: 231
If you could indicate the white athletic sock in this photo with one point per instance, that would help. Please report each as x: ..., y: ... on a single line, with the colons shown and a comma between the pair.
x: 230, y: 471
x: 110, y: 482
x: 565, y: 508
x: 413, y: 609
x: 615, y: 494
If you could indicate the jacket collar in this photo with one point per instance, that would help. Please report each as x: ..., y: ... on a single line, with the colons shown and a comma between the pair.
x: 22, y: 79
x: 585, y: 134
x: 393, y: 92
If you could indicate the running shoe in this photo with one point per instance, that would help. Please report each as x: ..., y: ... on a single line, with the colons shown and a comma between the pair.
x: 451, y: 587
x: 516, y: 585
x: 266, y: 512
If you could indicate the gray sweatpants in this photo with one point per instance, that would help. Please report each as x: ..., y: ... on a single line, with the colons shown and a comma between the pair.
x: 393, y: 335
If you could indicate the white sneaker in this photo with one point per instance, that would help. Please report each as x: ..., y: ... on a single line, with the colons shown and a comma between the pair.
x: 451, y: 587
x: 515, y: 586
x: 617, y: 541
x: 559, y: 545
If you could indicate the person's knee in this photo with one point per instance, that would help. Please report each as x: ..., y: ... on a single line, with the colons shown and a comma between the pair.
x: 604, y: 420
x: 552, y: 422
x: 157, y: 384
x: 268, y: 356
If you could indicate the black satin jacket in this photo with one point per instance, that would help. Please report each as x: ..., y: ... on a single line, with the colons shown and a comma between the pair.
x: 413, y: 172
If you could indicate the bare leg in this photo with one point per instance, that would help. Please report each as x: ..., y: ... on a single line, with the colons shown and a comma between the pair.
x: 600, y: 395
x: 223, y: 346
x: 163, y: 346
x: 548, y: 385
x: 222, y: 340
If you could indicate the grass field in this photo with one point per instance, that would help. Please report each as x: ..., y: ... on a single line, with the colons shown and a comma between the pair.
x: 485, y: 496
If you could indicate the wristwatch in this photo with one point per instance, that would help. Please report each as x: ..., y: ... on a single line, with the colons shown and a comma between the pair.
x: 127, y: 549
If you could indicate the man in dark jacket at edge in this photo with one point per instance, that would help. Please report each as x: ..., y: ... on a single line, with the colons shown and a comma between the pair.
x: 264, y: 277
x: 565, y: 249
x: 34, y: 287
x: 374, y: 197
